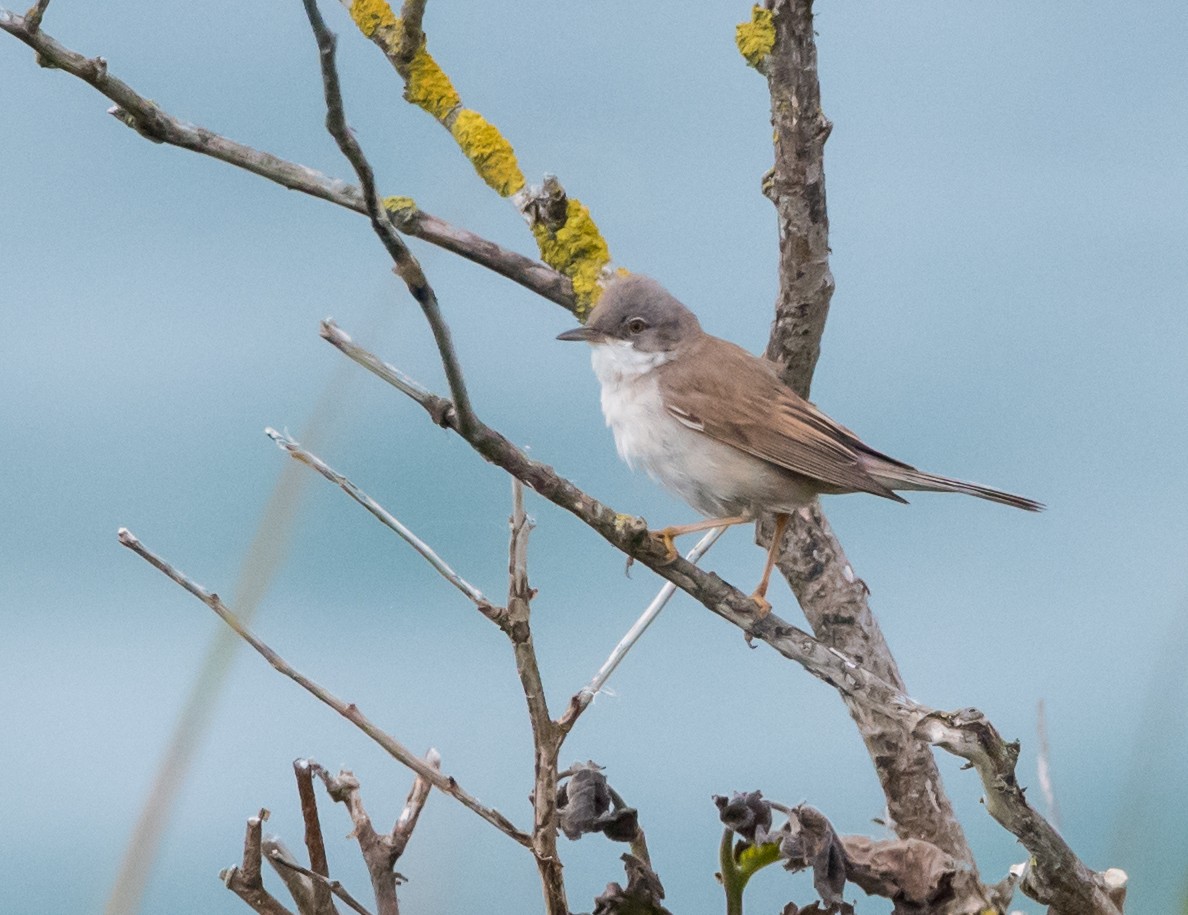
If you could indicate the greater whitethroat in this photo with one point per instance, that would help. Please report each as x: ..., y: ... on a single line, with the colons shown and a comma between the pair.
x: 718, y: 427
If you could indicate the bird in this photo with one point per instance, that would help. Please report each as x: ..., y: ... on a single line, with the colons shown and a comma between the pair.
x: 718, y: 427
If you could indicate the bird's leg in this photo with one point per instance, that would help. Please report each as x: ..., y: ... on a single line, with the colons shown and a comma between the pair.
x: 667, y: 535
x: 760, y: 595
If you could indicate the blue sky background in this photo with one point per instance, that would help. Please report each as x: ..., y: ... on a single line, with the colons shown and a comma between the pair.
x: 1008, y: 192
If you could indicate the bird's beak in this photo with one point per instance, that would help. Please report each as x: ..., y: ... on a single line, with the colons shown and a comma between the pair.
x: 587, y: 333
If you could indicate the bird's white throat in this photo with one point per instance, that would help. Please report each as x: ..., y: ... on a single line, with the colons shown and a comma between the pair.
x: 618, y: 360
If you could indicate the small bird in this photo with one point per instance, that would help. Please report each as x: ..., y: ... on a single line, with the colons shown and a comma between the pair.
x: 718, y: 427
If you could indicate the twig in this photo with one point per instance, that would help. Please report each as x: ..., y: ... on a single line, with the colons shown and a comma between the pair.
x: 314, y: 844
x: 852, y: 679
x: 1057, y: 877
x: 300, y: 887
x: 418, y: 794
x: 386, y: 518
x: 547, y: 737
x: 565, y: 233
x: 378, y: 852
x: 332, y: 886
x: 350, y: 711
x: 245, y: 880
x: 407, y: 266
x: 34, y: 16
x: 586, y: 694
x: 1043, y: 765
x: 153, y: 123
x: 412, y: 36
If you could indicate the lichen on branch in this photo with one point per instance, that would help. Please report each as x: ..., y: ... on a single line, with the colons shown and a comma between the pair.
x: 755, y: 39
x: 578, y: 250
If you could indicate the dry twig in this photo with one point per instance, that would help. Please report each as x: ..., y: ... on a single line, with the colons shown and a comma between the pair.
x: 407, y: 266
x: 245, y: 880
x: 294, y: 450
x: 349, y: 711
x: 152, y: 122
x: 284, y: 864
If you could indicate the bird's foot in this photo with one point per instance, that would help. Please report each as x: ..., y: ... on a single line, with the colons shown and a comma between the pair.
x: 665, y: 536
x: 762, y: 604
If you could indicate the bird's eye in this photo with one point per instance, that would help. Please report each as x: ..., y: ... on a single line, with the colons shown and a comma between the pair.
x: 637, y: 326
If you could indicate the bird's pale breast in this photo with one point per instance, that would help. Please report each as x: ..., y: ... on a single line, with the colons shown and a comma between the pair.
x: 716, y: 479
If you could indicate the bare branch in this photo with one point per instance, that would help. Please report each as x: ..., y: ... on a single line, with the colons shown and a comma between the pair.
x: 153, y: 123
x: 282, y: 863
x: 245, y: 880
x: 35, y: 14
x: 378, y: 853
x: 1057, y: 877
x: 547, y: 737
x: 586, y: 694
x: 780, y: 42
x: 386, y: 518
x: 300, y: 886
x: 407, y: 266
x: 418, y: 794
x: 350, y: 711
x: 322, y: 904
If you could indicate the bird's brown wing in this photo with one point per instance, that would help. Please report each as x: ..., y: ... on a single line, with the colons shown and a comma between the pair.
x: 765, y: 417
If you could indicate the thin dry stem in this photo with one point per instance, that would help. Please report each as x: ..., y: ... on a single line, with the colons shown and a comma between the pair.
x: 418, y: 794
x: 547, y: 737
x: 314, y: 845
x: 294, y: 450
x: 332, y: 886
x: 350, y: 711
x: 245, y: 880
x: 582, y: 699
x: 407, y: 266
x: 152, y: 122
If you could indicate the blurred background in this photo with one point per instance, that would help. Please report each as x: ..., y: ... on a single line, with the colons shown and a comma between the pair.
x: 1008, y: 193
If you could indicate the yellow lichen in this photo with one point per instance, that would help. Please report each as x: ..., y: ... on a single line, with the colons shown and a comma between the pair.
x: 578, y: 250
x: 756, y: 38
x: 399, y: 204
x: 372, y: 15
x: 490, y: 154
x: 428, y: 87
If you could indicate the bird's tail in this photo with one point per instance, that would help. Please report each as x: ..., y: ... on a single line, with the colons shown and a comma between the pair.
x: 898, y: 477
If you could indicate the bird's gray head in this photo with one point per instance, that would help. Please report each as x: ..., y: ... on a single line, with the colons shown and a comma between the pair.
x: 638, y: 311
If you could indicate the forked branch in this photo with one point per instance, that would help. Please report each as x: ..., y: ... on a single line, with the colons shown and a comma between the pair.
x: 444, y: 783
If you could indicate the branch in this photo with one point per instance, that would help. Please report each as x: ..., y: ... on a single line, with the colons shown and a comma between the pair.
x: 780, y: 43
x: 1057, y: 877
x: 300, y: 886
x: 418, y: 794
x: 321, y: 903
x: 854, y: 680
x: 567, y: 236
x: 407, y: 266
x: 547, y: 737
x: 378, y: 852
x: 282, y: 863
x: 586, y: 694
x: 294, y: 450
x: 350, y: 711
x: 245, y: 880
x: 150, y: 121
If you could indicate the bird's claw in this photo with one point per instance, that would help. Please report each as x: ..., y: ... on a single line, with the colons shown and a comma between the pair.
x: 666, y: 539
x: 762, y: 604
